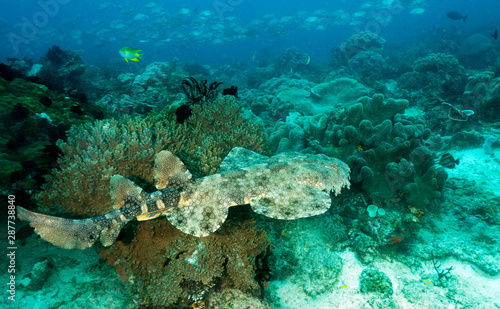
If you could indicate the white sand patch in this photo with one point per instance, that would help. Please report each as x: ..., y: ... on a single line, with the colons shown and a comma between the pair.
x: 480, y: 167
x: 473, y: 287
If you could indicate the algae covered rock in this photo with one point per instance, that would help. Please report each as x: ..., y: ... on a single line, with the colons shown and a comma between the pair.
x: 374, y: 281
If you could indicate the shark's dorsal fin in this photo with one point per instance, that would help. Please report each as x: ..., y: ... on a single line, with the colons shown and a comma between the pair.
x: 169, y: 171
x: 123, y: 189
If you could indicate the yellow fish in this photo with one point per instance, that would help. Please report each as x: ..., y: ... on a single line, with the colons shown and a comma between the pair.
x: 129, y: 53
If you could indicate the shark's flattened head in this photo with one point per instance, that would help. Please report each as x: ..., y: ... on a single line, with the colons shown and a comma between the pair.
x: 297, y: 183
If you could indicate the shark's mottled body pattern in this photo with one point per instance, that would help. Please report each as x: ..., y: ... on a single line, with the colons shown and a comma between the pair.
x: 286, y: 186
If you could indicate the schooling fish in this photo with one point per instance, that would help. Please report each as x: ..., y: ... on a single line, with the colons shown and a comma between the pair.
x: 287, y: 186
x: 448, y: 161
x: 129, y: 53
x: 495, y: 34
x: 456, y: 16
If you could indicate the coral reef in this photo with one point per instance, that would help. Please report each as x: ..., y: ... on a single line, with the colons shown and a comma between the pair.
x: 62, y: 69
x: 154, y: 89
x: 33, y: 119
x: 477, y: 52
x: 368, y: 66
x: 94, y: 152
x: 232, y: 298
x: 482, y: 95
x: 277, y: 97
x: 375, y: 281
x: 382, y: 145
x: 292, y: 59
x: 435, y: 75
x: 360, y: 42
x: 169, y: 267
x: 340, y: 91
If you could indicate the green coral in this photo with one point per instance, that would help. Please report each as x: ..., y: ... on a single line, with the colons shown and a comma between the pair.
x: 374, y: 281
x: 25, y: 138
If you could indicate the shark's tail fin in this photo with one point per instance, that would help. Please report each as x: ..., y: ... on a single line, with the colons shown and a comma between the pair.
x: 66, y: 233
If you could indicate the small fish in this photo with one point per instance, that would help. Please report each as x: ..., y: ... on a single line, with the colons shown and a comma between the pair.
x: 473, y: 268
x: 453, y: 15
x: 427, y: 281
x: 417, y: 11
x: 495, y: 34
x: 448, y: 161
x: 253, y: 57
x: 308, y: 60
x: 344, y: 287
x: 129, y: 53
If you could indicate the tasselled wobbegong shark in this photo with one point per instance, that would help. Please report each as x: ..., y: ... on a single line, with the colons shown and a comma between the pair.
x: 286, y: 186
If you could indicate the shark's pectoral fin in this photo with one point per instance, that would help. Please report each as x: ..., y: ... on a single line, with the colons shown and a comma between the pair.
x: 64, y: 233
x: 292, y: 201
x: 198, y: 219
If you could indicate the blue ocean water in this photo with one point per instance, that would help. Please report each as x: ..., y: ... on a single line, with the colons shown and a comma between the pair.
x: 405, y: 92
x: 29, y: 28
